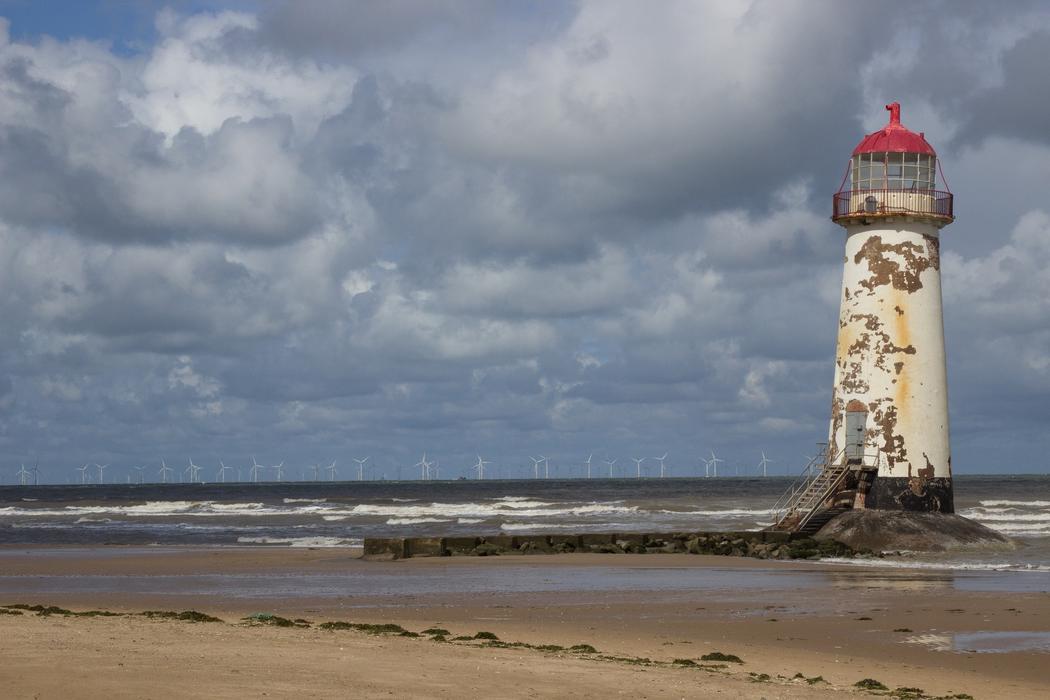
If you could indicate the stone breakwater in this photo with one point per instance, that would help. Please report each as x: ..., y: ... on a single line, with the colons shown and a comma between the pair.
x: 757, y: 544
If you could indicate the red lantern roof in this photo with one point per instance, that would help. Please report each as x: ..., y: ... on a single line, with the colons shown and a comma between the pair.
x: 894, y: 138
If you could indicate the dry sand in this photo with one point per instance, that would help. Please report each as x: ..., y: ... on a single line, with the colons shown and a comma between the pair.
x: 816, y: 629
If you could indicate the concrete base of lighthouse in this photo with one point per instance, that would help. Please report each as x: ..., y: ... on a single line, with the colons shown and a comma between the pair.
x: 932, y: 495
x: 896, y: 530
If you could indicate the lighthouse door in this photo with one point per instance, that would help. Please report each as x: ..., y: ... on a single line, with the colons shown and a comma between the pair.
x: 856, y: 420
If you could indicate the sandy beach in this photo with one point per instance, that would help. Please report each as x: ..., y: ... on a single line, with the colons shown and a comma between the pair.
x: 943, y: 632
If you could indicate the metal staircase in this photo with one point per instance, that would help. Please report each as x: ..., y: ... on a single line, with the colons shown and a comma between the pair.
x: 808, y: 504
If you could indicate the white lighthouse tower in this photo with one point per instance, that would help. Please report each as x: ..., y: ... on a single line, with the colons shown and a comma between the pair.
x: 889, y: 410
x: 888, y: 444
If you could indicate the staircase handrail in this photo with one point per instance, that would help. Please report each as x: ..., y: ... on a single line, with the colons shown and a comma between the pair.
x: 828, y: 490
x: 810, y: 473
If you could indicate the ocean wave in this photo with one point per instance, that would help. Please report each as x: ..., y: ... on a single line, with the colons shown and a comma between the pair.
x: 305, y: 500
x: 727, y: 513
x: 522, y: 504
x: 303, y: 541
x: 483, y: 510
x: 156, y: 509
x: 415, y: 521
x: 1022, y: 529
x: 893, y: 563
x: 579, y: 527
x: 469, y: 521
x: 516, y: 527
x: 1022, y: 504
x: 1007, y: 517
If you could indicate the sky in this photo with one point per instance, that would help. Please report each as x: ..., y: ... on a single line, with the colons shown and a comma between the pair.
x: 314, y: 230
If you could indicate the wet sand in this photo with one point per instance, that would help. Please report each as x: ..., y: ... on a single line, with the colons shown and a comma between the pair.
x: 781, y: 618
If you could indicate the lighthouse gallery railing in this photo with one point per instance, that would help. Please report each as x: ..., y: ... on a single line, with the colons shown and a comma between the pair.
x: 890, y: 202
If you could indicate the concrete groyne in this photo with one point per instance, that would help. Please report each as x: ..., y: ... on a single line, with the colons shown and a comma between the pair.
x: 759, y: 544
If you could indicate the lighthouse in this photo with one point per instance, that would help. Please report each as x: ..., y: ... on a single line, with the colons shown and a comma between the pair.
x: 889, y: 408
x: 884, y: 482
x: 888, y: 446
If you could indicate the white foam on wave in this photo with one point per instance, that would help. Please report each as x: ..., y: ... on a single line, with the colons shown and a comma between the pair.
x: 156, y: 509
x: 306, y: 500
x: 1024, y: 529
x: 1006, y: 517
x: 726, y: 513
x: 895, y: 563
x: 415, y: 521
x: 469, y: 521
x: 303, y: 541
x: 487, y: 510
x: 1021, y: 504
x: 515, y: 527
x: 604, y: 527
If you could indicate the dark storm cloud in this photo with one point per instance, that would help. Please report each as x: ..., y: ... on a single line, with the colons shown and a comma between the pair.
x: 458, y: 227
x: 1018, y: 107
x: 350, y: 28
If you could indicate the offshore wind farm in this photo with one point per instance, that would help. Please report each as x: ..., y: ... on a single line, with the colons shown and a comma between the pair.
x: 386, y: 470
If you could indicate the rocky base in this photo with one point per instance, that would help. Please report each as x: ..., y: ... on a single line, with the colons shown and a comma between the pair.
x: 886, y: 530
x: 757, y: 544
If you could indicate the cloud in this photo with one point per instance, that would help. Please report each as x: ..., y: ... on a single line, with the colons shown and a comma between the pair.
x: 594, y: 226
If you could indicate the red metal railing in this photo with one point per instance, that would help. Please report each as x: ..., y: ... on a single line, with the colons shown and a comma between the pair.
x: 878, y: 203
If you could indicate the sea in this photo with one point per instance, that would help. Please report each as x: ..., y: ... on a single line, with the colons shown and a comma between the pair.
x: 343, y: 513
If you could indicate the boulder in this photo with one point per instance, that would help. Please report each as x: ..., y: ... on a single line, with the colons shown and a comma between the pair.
x: 886, y: 530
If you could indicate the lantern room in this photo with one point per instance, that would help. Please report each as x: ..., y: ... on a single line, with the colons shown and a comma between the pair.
x: 892, y: 172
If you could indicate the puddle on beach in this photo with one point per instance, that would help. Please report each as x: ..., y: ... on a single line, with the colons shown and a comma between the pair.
x: 985, y: 642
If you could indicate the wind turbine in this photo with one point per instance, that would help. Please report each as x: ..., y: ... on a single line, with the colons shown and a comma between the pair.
x: 164, y: 471
x: 23, y: 475
x: 279, y: 468
x: 661, y: 461
x: 314, y: 469
x: 588, y: 463
x: 331, y: 471
x: 361, y: 467
x: 714, y: 463
x: 194, y: 471
x: 139, y: 470
x: 424, y: 468
x: 762, y: 464
x: 101, y: 469
x: 610, y: 466
x: 480, y: 467
x: 638, y: 466
x: 546, y: 468
x: 254, y: 471
x: 83, y: 473
x: 221, y: 475
x: 536, y: 466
